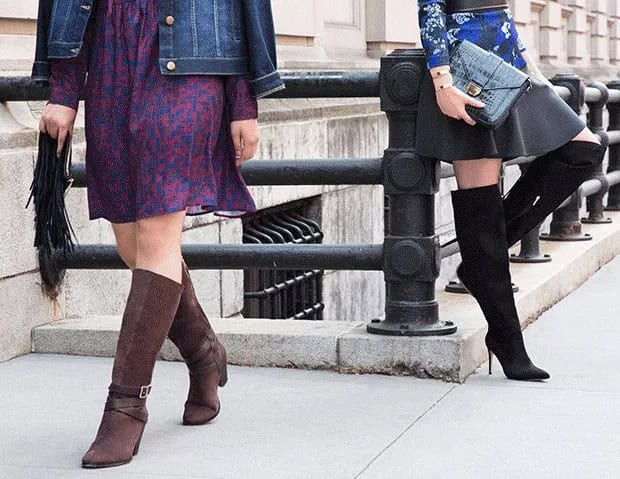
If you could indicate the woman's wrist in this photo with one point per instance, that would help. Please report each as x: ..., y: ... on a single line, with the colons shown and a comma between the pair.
x: 445, y: 87
x: 442, y: 80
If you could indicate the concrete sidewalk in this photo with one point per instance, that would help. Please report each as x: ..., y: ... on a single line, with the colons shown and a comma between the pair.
x: 302, y: 424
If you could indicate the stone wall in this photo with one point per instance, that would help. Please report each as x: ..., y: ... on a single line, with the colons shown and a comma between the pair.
x: 289, y: 129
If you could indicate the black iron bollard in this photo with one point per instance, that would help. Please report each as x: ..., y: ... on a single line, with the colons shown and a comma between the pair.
x: 613, y: 200
x: 530, y: 243
x: 595, y: 122
x: 566, y: 225
x: 411, y: 249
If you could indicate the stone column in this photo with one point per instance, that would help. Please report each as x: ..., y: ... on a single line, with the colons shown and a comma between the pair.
x: 391, y: 24
x: 17, y: 30
x: 578, y: 32
x: 614, y: 32
x: 299, y: 31
x: 599, y: 31
x: 551, y: 38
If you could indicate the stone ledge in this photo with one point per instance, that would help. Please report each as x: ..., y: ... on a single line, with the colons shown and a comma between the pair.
x: 346, y: 347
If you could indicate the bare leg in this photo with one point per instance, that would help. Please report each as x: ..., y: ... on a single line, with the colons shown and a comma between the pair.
x: 126, y: 242
x: 158, y: 242
x: 477, y: 173
x: 587, y: 135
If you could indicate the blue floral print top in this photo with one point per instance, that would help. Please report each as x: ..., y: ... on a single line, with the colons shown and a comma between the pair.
x: 493, y: 30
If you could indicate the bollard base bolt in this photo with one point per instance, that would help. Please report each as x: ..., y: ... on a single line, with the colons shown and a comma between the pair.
x: 597, y: 221
x: 385, y: 328
x: 562, y: 237
x: 455, y: 286
x: 519, y: 259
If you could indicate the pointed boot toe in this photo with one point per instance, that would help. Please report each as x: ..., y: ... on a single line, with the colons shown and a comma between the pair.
x: 120, y: 432
x: 528, y: 373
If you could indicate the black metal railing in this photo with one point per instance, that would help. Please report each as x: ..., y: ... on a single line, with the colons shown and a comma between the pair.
x: 282, y: 294
x: 410, y: 254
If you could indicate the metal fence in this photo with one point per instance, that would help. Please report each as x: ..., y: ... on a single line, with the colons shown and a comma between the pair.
x: 410, y: 255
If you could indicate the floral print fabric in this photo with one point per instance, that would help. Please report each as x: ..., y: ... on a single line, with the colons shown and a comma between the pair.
x: 493, y: 30
x: 156, y: 144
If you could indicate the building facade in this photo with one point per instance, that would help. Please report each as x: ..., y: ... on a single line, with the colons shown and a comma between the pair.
x: 584, y: 34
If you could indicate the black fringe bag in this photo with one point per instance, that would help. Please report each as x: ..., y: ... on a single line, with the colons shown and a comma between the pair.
x: 54, y: 236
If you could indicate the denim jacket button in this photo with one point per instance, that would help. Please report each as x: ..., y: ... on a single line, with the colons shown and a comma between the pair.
x: 171, y: 66
x: 169, y: 20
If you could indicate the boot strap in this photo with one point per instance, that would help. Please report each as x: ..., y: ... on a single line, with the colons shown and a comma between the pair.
x: 140, y: 392
x: 131, y: 406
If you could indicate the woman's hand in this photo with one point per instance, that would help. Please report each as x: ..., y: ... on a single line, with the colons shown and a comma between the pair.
x: 452, y: 103
x: 245, y: 138
x: 57, y: 121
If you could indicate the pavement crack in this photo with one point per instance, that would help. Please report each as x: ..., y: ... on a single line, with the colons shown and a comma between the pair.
x: 405, y: 431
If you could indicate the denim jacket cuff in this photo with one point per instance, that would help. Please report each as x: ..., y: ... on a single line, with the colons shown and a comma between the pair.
x: 41, y: 70
x: 267, y: 85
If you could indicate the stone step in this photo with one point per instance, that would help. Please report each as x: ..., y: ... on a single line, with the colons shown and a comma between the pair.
x: 346, y: 347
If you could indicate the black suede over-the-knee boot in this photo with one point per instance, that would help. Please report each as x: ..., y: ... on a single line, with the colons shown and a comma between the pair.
x: 485, y: 271
x: 548, y: 181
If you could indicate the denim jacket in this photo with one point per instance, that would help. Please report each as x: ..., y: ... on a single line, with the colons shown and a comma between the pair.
x: 196, y: 37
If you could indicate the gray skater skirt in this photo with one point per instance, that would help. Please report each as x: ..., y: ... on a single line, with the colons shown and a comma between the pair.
x: 540, y: 122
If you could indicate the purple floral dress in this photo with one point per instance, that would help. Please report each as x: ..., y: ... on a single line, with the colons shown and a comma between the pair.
x: 156, y: 144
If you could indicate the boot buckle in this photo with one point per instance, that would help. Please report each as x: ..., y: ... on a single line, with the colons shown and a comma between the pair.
x: 144, y: 391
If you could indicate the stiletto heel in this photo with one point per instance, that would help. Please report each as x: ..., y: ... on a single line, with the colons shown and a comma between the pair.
x: 490, y: 362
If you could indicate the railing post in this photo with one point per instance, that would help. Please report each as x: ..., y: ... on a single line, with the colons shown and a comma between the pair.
x: 613, y: 200
x: 595, y: 122
x: 412, y: 254
x: 530, y: 243
x: 566, y: 224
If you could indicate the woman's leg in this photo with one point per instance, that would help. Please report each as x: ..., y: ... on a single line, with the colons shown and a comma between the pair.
x: 158, y: 241
x: 151, y: 307
x: 192, y: 334
x: 126, y: 243
x: 548, y: 181
x: 477, y: 173
x: 485, y: 270
x: 587, y: 135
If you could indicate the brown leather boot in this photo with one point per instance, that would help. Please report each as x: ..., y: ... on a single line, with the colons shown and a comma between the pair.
x: 152, y: 303
x: 204, y: 355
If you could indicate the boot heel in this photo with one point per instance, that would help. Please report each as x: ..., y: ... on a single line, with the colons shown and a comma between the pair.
x: 224, y: 373
x: 137, y: 448
x: 490, y: 362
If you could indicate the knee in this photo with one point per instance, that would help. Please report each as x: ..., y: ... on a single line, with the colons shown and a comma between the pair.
x: 154, y: 241
x: 149, y: 242
x: 128, y: 255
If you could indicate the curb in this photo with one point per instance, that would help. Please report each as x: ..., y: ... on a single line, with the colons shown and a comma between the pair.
x: 345, y: 346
